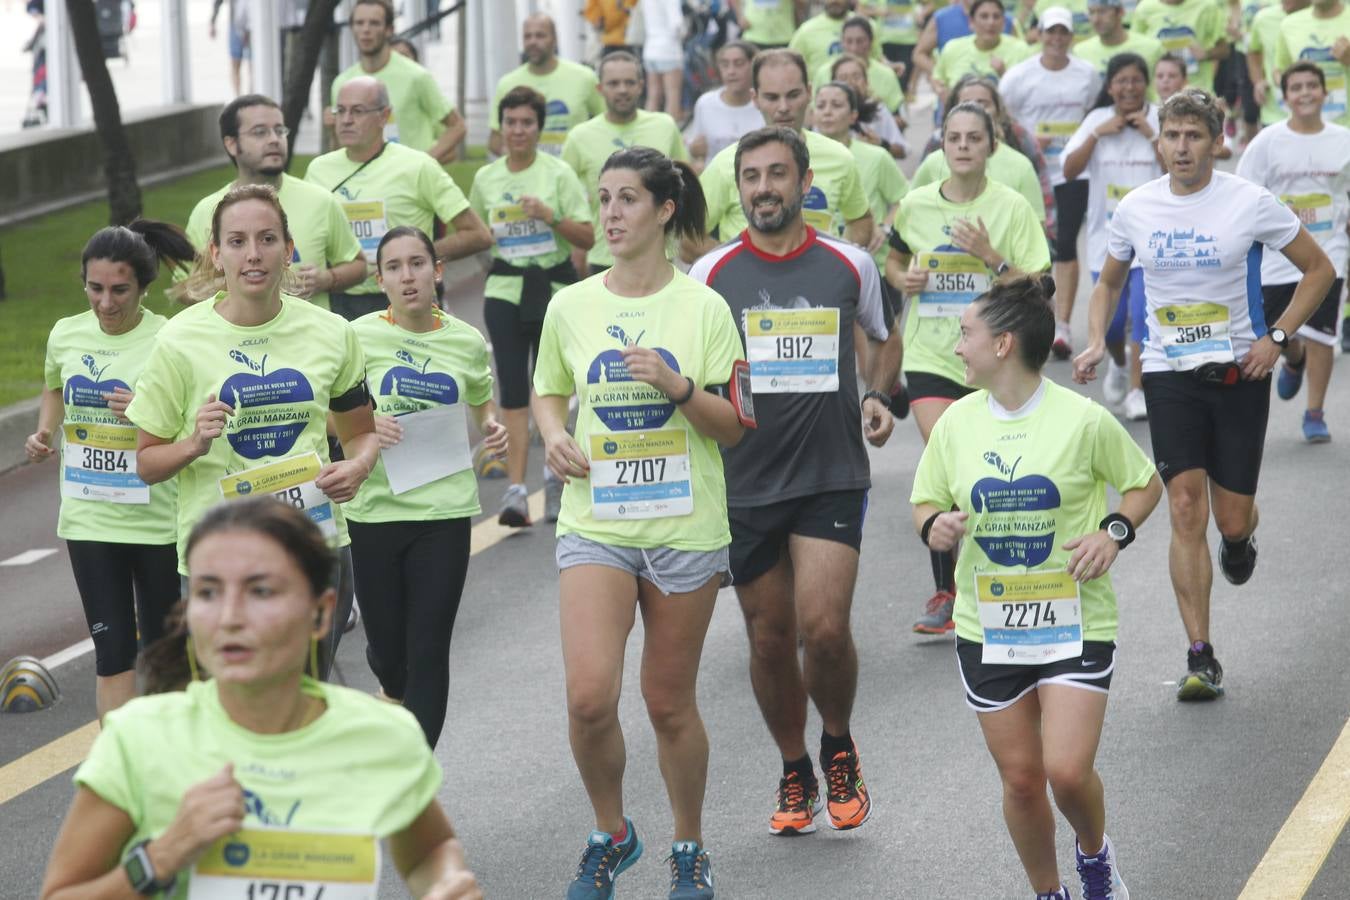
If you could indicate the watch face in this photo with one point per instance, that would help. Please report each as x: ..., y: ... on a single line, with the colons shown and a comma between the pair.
x: 136, y: 870
x: 1117, y: 531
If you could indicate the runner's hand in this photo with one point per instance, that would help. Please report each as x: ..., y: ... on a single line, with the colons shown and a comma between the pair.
x: 117, y: 402
x: 341, y: 480
x: 388, y: 430
x: 211, y: 418
x: 1139, y: 120
x: 1114, y: 125
x: 536, y: 208
x: 1260, y: 359
x: 878, y: 423
x: 1259, y: 91
x: 1092, y: 555
x: 564, y: 458
x: 38, y: 445
x: 649, y: 367
x: 972, y: 238
x: 947, y: 530
x: 208, y: 811
x: 879, y: 238
x: 306, y: 280
x: 915, y: 279
x: 455, y: 886
x: 1085, y: 363
x: 1341, y: 50
x: 495, y: 437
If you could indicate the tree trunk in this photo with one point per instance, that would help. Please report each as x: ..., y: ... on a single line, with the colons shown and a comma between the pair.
x: 124, y: 194
x: 300, y: 71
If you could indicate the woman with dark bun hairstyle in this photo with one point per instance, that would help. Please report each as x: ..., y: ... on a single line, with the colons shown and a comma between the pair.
x: 1015, y: 475
x: 119, y: 531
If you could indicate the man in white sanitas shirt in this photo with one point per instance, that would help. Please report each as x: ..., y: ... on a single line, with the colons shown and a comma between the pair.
x: 1200, y: 236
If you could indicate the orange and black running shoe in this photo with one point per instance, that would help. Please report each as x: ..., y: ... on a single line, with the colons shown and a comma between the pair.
x: 847, y: 800
x: 798, y: 803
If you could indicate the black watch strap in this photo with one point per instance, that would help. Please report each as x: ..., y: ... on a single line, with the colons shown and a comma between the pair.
x: 1119, y: 521
x: 878, y: 396
x: 141, y: 872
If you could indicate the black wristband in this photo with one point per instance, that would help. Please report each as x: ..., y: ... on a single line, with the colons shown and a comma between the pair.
x: 927, y: 527
x: 688, y: 395
x: 878, y: 396
x: 1129, y: 529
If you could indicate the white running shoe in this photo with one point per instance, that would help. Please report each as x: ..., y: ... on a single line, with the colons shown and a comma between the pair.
x: 1136, y: 410
x: 1115, y: 384
x: 1100, y: 874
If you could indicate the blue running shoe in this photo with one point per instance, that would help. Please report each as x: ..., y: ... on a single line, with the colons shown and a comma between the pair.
x: 1061, y: 894
x: 1289, y: 380
x: 1315, y: 427
x: 1100, y: 874
x: 601, y: 863
x: 691, y: 875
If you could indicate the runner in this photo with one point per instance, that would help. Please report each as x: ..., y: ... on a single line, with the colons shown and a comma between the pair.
x: 189, y: 792
x: 1193, y: 30
x: 382, y: 185
x: 856, y: 40
x: 237, y: 393
x: 327, y: 255
x: 118, y: 531
x: 768, y: 24
x: 797, y: 484
x: 898, y: 21
x: 1080, y: 21
x: 410, y: 520
x: 1036, y: 612
x: 875, y: 124
x: 1206, y: 364
x: 1320, y: 34
x: 821, y: 36
x: 833, y: 205
x: 1262, y: 46
x: 538, y: 212
x: 945, y: 24
x: 1116, y: 149
x: 621, y: 125
x: 1111, y: 37
x: 649, y: 353
x: 956, y: 237
x: 1048, y: 95
x: 724, y: 113
x: 569, y: 88
x: 418, y: 111
x: 1306, y: 163
x: 986, y: 51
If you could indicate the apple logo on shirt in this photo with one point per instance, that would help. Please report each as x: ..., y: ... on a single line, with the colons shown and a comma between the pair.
x: 1016, y: 523
x: 266, y: 421
x: 89, y: 391
x: 416, y: 383
x: 620, y: 402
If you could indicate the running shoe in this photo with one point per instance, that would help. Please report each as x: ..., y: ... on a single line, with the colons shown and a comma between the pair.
x: 937, y: 614
x: 1115, y: 384
x: 1290, y: 380
x: 1061, y: 894
x: 691, y: 876
x: 1203, y: 679
x: 601, y: 863
x: 1315, y: 427
x: 798, y: 804
x: 553, y: 491
x: 1135, y: 408
x: 1237, y: 568
x: 1100, y: 874
x: 847, y: 801
x: 515, y: 508
x: 1063, y: 345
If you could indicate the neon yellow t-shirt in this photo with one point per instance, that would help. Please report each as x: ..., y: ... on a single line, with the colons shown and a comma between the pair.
x: 1264, y: 38
x: 961, y: 56
x: 585, y: 329
x: 1303, y: 36
x: 1082, y: 25
x: 882, y: 182
x: 102, y: 499
x: 153, y: 749
x: 924, y: 222
x: 279, y: 377
x: 495, y: 196
x: 408, y: 372
x: 399, y: 187
x: 1097, y: 53
x: 834, y: 198
x: 315, y: 218
x: 570, y: 90
x: 898, y: 22
x: 817, y: 39
x: 1006, y: 166
x: 881, y: 82
x: 1029, y: 485
x: 418, y: 106
x: 771, y: 21
x: 593, y: 142
x: 1179, y: 26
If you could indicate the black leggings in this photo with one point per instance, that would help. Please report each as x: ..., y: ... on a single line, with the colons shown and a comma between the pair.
x: 123, y: 588
x: 409, y: 578
x: 515, y: 346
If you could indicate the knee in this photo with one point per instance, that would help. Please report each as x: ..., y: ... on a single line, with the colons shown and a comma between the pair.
x: 1023, y: 784
x: 771, y: 638
x: 1068, y: 779
x: 1233, y: 525
x: 669, y: 710
x: 827, y: 637
x: 1188, y: 510
x: 591, y: 708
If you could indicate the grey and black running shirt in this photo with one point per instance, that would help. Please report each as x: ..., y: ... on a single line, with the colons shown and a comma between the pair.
x: 796, y: 315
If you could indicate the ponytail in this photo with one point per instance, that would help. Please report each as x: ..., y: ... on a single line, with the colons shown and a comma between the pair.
x: 143, y: 245
x: 1021, y: 307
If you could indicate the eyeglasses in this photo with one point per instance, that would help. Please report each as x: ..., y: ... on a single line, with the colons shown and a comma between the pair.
x: 263, y: 131
x: 356, y: 111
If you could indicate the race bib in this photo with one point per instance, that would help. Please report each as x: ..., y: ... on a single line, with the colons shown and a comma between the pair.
x: 100, y: 464
x: 518, y: 236
x: 1114, y: 194
x: 1195, y: 334
x: 290, y: 480
x: 276, y: 864
x: 642, y: 475
x: 1029, y: 619
x: 1180, y: 45
x: 954, y: 281
x: 1058, y: 134
x: 792, y: 351
x: 821, y: 220
x: 899, y: 21
x: 551, y: 142
x: 1313, y: 210
x: 368, y: 224
x: 391, y: 131
x: 1334, y: 106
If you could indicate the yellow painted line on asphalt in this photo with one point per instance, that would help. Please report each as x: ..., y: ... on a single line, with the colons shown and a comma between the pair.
x: 1301, y: 847
x: 69, y: 750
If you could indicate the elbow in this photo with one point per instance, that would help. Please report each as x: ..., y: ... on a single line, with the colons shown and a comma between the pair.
x: 732, y: 435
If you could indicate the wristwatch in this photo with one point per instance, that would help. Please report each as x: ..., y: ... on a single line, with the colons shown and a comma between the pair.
x: 1002, y: 269
x: 1279, y: 336
x: 878, y: 396
x: 1119, y: 529
x: 141, y: 872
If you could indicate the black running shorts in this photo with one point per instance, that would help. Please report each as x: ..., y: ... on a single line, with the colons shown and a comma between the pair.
x: 1323, y: 321
x: 759, y: 534
x: 1071, y: 199
x: 927, y: 386
x: 1199, y: 426
x: 991, y: 687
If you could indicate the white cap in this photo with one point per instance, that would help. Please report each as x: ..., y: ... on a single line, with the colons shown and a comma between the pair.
x: 1056, y: 15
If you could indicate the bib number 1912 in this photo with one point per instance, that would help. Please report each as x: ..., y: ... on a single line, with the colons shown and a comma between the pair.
x: 272, y: 890
x: 1015, y: 614
x: 794, y: 346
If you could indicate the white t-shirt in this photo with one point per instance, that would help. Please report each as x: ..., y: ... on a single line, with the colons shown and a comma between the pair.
x: 1201, y: 255
x: 720, y: 123
x: 1050, y: 103
x: 1119, y: 163
x: 662, y: 21
x: 883, y: 126
x: 1310, y: 173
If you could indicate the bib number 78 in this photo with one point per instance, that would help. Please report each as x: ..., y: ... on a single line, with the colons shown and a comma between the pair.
x: 1015, y: 614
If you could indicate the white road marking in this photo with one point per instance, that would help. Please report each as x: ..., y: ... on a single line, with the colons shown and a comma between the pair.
x: 74, y: 651
x: 28, y: 557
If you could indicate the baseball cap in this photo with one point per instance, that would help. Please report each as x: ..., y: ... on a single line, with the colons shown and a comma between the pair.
x: 1115, y: 4
x: 1056, y: 15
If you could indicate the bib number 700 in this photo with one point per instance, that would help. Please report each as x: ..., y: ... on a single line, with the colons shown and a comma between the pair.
x: 640, y: 471
x: 1015, y: 614
x: 272, y: 890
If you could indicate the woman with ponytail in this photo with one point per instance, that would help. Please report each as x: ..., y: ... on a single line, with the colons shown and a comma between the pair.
x: 1015, y: 475
x: 119, y: 531
x: 649, y: 352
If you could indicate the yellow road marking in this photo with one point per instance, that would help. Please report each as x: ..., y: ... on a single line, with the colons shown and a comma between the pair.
x: 1301, y: 847
x: 69, y: 750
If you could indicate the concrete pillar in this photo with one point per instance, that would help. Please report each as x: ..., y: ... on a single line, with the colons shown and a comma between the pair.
x: 265, y: 40
x: 64, y: 85
x: 175, y: 72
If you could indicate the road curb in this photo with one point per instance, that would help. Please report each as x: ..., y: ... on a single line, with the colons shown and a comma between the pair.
x: 16, y: 424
